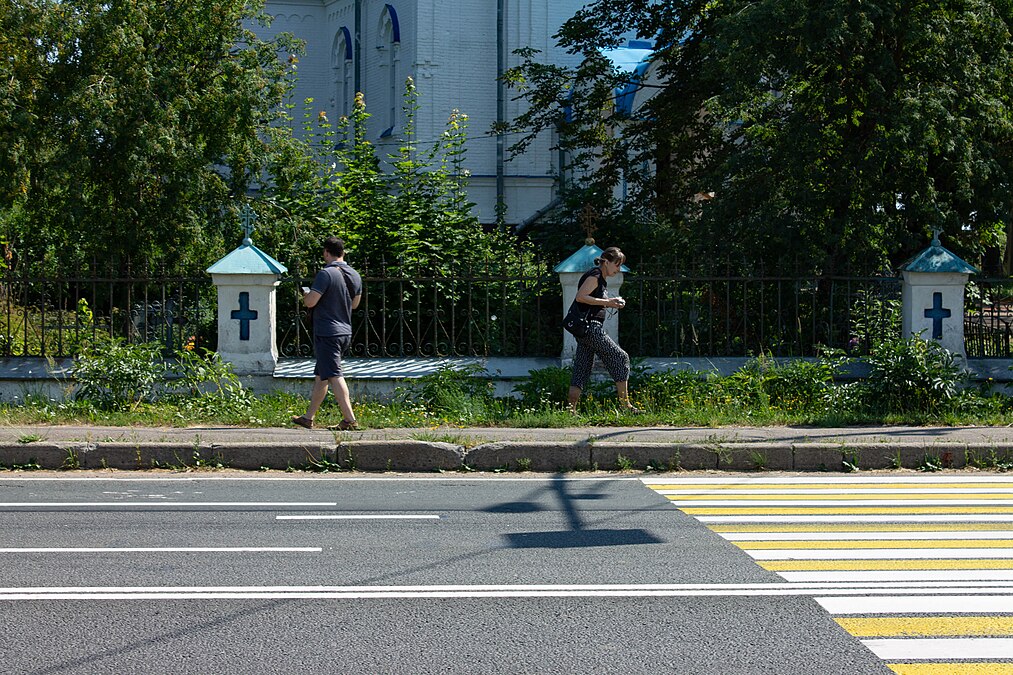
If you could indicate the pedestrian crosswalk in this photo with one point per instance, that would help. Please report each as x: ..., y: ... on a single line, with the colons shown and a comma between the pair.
x: 919, y: 568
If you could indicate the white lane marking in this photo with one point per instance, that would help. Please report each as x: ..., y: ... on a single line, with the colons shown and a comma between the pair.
x: 894, y: 576
x: 906, y: 604
x: 166, y: 549
x: 956, y: 489
x: 866, y: 536
x: 842, y: 518
x: 841, y: 503
x: 34, y: 505
x: 921, y: 649
x: 879, y: 553
x: 359, y: 517
x: 866, y: 592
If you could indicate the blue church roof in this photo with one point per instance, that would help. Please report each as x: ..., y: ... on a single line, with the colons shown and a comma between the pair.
x: 247, y: 259
x: 635, y: 58
x: 937, y: 258
x: 582, y: 260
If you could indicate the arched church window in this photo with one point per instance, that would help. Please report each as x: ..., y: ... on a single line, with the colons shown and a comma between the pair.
x: 342, y: 76
x: 389, y: 44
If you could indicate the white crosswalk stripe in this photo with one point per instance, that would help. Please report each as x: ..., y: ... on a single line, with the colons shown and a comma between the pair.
x: 938, y: 550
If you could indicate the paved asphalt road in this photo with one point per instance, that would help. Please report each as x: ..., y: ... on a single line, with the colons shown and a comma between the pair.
x: 347, y: 574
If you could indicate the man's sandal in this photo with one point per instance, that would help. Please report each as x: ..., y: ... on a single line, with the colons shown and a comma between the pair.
x: 303, y: 421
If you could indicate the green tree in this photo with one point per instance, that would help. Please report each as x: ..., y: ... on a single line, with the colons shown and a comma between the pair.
x: 836, y: 133
x: 331, y: 181
x: 128, y: 127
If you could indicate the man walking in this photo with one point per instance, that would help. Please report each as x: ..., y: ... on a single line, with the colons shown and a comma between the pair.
x: 336, y: 291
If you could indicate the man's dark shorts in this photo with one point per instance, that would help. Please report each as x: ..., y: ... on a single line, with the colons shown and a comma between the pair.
x: 329, y: 349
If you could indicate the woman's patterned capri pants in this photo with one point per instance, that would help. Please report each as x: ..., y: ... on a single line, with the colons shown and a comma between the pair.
x: 597, y: 343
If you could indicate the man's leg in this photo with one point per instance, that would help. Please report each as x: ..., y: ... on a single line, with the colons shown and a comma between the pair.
x: 343, y: 398
x: 317, y: 397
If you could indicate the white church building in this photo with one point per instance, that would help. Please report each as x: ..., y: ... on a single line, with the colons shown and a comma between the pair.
x: 454, y: 50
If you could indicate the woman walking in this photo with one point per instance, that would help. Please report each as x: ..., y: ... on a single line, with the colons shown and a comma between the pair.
x: 592, y: 296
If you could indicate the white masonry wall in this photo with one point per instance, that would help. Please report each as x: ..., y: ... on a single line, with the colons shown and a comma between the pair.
x: 450, y: 48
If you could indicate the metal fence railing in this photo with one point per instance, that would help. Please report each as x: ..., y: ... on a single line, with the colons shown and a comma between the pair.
x: 495, y: 311
x: 57, y: 315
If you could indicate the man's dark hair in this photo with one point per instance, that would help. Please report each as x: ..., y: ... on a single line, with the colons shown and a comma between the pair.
x: 334, y: 246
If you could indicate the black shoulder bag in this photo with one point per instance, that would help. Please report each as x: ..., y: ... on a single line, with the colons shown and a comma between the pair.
x: 576, y: 322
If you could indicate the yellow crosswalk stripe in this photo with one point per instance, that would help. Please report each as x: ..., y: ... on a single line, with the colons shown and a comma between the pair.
x: 951, y: 668
x: 876, y: 565
x: 841, y: 497
x: 877, y: 543
x: 788, y: 487
x: 931, y: 626
x: 831, y: 510
x: 898, y: 498
x: 860, y: 527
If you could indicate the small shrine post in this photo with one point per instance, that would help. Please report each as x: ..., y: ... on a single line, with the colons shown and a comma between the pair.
x: 247, y: 280
x: 933, y: 296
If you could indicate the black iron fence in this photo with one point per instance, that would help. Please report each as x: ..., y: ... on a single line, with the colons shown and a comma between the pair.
x: 494, y: 311
x: 485, y: 310
x: 59, y: 314
x: 988, y: 318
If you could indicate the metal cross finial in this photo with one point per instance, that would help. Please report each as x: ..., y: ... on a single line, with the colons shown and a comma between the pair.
x: 935, y: 236
x: 247, y: 217
x: 589, y: 215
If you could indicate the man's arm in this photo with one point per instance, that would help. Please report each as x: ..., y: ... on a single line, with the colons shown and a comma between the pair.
x: 311, y: 299
x: 355, y: 301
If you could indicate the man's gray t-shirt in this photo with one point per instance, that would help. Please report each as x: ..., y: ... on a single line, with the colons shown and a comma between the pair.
x: 332, y: 315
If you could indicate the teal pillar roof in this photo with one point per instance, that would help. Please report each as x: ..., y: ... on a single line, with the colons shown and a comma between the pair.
x: 937, y: 258
x: 582, y: 260
x: 247, y: 259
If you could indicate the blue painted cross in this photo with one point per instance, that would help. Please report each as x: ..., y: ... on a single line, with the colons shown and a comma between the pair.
x: 246, y: 315
x: 937, y: 313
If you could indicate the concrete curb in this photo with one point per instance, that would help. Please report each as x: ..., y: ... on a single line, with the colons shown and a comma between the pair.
x: 413, y: 455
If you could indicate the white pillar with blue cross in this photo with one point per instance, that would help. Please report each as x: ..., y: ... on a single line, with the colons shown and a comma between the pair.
x: 933, y: 296
x: 247, y: 279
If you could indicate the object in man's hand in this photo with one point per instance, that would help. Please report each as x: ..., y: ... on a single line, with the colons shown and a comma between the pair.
x: 622, y: 303
x: 305, y: 290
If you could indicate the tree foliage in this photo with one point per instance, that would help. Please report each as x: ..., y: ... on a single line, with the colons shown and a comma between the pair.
x: 128, y: 127
x: 838, y: 133
x: 416, y: 216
